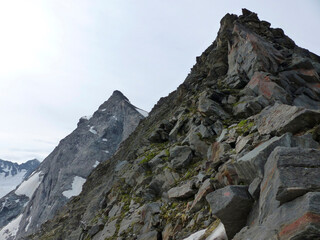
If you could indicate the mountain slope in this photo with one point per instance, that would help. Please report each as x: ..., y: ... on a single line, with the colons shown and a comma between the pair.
x: 62, y: 174
x: 233, y: 153
x: 12, y: 174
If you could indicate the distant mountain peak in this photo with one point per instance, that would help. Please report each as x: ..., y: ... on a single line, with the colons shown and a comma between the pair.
x: 118, y: 95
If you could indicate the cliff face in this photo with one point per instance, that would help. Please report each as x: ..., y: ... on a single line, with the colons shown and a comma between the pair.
x: 62, y: 174
x: 232, y: 153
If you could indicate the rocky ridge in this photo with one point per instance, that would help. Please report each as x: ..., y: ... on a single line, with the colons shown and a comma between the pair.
x: 62, y: 174
x: 233, y: 153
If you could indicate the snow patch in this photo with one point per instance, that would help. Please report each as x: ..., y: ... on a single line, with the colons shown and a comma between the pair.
x: 106, y: 151
x: 103, y: 110
x: 76, y: 187
x: 96, y: 164
x: 92, y: 130
x: 142, y: 112
x: 9, y: 231
x: 104, y: 140
x: 115, y: 118
x: 196, y: 236
x: 218, y: 233
x: 29, y: 221
x: 29, y: 186
x: 10, y: 182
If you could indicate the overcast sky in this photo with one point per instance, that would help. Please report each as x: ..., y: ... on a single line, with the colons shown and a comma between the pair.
x: 61, y: 59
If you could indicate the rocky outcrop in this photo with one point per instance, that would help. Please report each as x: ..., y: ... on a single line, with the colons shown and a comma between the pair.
x: 232, y: 152
x: 64, y: 171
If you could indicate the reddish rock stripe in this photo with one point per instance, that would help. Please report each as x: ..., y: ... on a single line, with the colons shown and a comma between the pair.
x: 299, y: 224
x: 269, y: 178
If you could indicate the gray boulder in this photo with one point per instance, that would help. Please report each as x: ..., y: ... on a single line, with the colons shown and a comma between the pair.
x: 210, y: 107
x: 231, y: 205
x: 180, y: 157
x: 251, y: 165
x: 184, y: 191
x: 297, y: 219
x: 281, y: 118
x: 289, y: 173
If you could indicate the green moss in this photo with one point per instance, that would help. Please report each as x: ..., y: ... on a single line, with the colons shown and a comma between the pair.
x: 244, y: 126
x: 148, y: 157
x: 237, y: 103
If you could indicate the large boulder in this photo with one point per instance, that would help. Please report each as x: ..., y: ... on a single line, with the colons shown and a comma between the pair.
x: 184, y: 191
x: 289, y: 173
x: 210, y: 107
x: 281, y: 118
x: 264, y: 84
x: 199, y: 198
x: 180, y: 157
x: 251, y: 165
x: 231, y: 205
x: 298, y: 219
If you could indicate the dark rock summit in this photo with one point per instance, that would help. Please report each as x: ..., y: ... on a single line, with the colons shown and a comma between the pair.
x: 62, y: 174
x: 233, y: 153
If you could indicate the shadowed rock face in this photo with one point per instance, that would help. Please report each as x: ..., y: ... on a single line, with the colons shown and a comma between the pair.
x: 249, y: 104
x: 64, y: 171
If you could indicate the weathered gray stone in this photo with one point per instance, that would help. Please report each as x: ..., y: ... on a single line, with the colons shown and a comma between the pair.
x: 171, y: 177
x: 252, y: 164
x: 150, y: 216
x: 153, y: 235
x: 264, y: 84
x: 298, y: 219
x: 108, y: 231
x: 242, y: 142
x: 95, y: 229
x: 199, y: 198
x: 281, y: 118
x: 182, y: 120
x: 129, y: 221
x: 210, y: 107
x: 115, y: 210
x: 167, y: 232
x: 184, y: 191
x: 217, y: 127
x: 222, y: 136
x: 196, y: 142
x: 180, y: 156
x: 305, y: 141
x: 245, y: 109
x: 254, y: 188
x: 216, y: 153
x: 289, y: 173
x: 231, y: 205
x: 159, y: 136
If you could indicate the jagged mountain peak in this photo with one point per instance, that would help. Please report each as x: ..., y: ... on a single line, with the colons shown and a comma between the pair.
x: 118, y: 95
x: 62, y: 174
